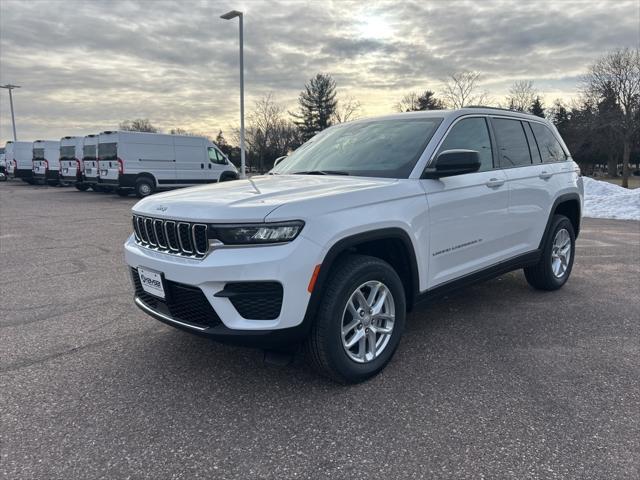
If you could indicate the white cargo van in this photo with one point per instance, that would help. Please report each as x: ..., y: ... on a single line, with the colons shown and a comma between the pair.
x: 20, y: 155
x: 146, y: 162
x: 46, y: 161
x: 70, y: 161
x: 90, y: 169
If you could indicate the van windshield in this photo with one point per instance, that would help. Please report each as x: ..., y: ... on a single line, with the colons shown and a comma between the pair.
x: 68, y: 153
x: 107, y: 151
x: 38, y: 153
x: 89, y: 152
x: 378, y: 148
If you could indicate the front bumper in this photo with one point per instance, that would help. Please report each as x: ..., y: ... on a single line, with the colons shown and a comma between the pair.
x: 291, y: 265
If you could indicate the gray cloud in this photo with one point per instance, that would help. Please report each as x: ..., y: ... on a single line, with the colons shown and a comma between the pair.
x: 85, y: 65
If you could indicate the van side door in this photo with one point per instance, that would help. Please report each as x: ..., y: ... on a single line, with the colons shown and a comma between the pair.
x: 467, y: 213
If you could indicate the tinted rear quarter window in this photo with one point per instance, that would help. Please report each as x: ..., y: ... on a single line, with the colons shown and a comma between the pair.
x: 513, y: 149
x: 550, y: 148
x: 533, y: 145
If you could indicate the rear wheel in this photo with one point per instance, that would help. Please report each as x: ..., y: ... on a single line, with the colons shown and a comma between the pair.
x: 359, y: 322
x: 144, y: 187
x: 81, y: 187
x: 123, y: 192
x: 556, y: 262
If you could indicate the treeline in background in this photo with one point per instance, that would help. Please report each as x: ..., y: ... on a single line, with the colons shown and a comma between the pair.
x: 601, y: 128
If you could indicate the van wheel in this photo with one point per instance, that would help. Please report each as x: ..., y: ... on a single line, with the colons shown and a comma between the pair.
x: 225, y: 177
x: 81, y: 187
x: 144, y: 187
x: 558, y: 252
x: 359, y: 322
x: 122, y: 192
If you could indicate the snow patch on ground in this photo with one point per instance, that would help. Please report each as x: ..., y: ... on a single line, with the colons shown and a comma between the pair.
x: 606, y: 200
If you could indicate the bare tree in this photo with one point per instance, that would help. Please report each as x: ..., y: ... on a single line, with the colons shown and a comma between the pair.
x: 348, y: 108
x: 138, y: 125
x: 408, y: 103
x: 618, y: 74
x: 184, y: 131
x: 269, y: 134
x: 461, y: 89
x: 522, y: 95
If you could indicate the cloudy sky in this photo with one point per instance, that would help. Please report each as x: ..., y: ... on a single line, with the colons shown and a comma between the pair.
x: 87, y: 65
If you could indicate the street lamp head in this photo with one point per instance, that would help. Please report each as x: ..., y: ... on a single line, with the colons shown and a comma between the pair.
x: 9, y: 86
x: 232, y: 14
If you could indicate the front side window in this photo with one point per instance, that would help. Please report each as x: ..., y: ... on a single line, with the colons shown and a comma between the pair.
x: 107, y: 151
x: 378, y: 148
x: 67, y: 153
x: 471, y: 134
x: 550, y: 148
x: 512, y: 143
x: 38, y: 153
x: 216, y: 157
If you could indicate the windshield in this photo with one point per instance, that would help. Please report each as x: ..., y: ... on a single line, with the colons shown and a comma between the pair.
x: 107, y: 151
x: 38, y: 153
x: 68, y: 153
x: 379, y: 148
x: 89, y: 152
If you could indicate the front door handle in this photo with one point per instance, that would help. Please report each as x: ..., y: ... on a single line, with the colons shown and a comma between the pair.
x: 202, y: 165
x: 494, y: 183
x: 545, y: 175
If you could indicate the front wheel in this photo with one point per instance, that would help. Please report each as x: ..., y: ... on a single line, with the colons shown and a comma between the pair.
x: 82, y: 187
x: 359, y: 322
x: 554, y: 267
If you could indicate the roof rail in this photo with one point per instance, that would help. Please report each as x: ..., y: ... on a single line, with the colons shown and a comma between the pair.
x: 495, y: 108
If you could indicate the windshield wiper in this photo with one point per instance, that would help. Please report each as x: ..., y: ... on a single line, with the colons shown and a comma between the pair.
x: 321, y: 172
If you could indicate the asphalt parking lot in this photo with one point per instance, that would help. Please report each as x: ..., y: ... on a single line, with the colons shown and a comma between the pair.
x: 497, y: 381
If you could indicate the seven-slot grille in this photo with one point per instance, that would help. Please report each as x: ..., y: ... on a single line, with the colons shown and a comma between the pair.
x: 171, y: 236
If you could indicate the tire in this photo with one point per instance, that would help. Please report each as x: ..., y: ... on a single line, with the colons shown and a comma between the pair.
x: 551, y: 272
x: 326, y: 347
x: 144, y: 187
x: 81, y: 187
x: 122, y: 192
x: 225, y: 177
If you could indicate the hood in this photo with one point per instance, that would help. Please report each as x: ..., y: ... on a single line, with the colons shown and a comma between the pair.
x: 249, y: 200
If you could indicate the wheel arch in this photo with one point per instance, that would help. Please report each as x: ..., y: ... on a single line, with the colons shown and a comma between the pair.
x: 149, y: 176
x: 568, y: 205
x: 392, y: 245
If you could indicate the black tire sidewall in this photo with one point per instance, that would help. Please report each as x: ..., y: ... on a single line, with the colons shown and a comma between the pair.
x: 332, y: 317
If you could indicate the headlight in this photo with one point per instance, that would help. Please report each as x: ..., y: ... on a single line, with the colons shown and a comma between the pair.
x: 256, y: 233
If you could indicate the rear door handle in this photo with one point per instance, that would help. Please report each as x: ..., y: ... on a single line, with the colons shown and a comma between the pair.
x: 545, y: 175
x: 202, y: 165
x: 494, y: 183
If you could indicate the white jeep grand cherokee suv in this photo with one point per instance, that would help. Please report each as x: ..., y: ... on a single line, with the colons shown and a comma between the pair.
x: 344, y: 236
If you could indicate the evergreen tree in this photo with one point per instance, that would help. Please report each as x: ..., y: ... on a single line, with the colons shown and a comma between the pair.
x: 317, y: 105
x: 536, y: 108
x: 428, y: 101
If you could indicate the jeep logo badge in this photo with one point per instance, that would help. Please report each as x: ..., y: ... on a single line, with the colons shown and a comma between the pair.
x: 162, y: 208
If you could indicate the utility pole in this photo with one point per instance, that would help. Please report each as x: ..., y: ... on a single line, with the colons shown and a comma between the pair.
x: 10, y: 87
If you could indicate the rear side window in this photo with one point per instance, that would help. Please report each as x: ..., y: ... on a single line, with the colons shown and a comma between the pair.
x: 512, y: 143
x: 550, y: 148
x: 533, y: 146
x: 471, y: 134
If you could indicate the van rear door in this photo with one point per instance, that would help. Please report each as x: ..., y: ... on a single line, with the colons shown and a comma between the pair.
x: 109, y: 163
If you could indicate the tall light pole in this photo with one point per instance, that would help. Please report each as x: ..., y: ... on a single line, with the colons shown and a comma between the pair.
x: 228, y: 16
x: 10, y: 87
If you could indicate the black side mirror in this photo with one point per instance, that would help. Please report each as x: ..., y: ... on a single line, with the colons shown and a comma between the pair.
x: 454, y: 162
